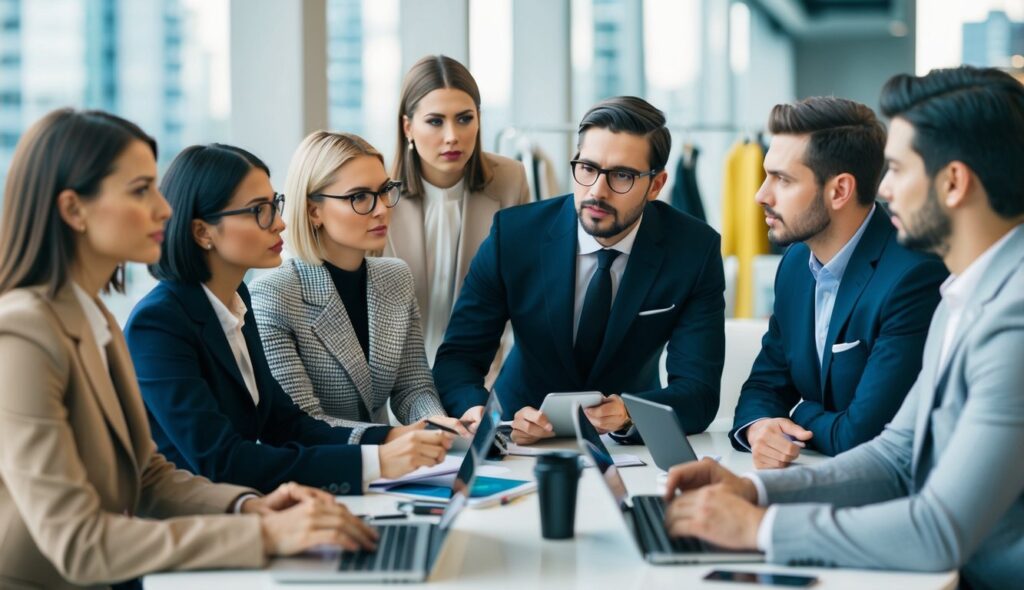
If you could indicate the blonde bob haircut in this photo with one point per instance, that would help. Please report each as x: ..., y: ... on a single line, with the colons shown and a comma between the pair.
x: 314, y: 166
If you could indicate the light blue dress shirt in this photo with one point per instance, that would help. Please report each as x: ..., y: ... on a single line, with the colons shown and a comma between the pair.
x: 827, y: 278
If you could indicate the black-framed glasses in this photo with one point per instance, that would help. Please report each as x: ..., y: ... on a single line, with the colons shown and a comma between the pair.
x: 364, y: 202
x: 620, y: 180
x: 265, y: 212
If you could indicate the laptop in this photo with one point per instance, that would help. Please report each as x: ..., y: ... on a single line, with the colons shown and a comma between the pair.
x: 406, y: 552
x: 663, y: 434
x: 645, y: 514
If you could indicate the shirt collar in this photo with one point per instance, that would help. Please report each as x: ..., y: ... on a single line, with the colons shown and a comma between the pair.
x: 588, y: 244
x: 230, y: 319
x: 452, y: 193
x: 956, y: 290
x: 94, y: 315
x: 837, y: 266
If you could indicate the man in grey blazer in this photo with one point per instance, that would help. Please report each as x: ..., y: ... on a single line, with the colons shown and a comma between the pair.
x: 943, y: 486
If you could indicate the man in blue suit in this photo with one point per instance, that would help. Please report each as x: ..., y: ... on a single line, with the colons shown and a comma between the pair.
x: 941, y: 487
x: 595, y: 284
x: 852, y: 306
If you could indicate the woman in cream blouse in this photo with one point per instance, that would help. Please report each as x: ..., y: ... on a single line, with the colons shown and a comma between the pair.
x: 85, y: 498
x: 452, y: 187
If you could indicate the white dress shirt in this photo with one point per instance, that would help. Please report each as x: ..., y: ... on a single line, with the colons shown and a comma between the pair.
x: 956, y: 292
x: 442, y: 219
x: 231, y: 321
x: 586, y: 265
x: 97, y: 320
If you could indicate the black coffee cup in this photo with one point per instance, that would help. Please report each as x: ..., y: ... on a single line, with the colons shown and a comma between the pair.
x: 557, y: 474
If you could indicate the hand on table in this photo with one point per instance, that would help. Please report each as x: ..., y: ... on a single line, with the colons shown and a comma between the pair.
x: 776, y: 442
x: 530, y: 425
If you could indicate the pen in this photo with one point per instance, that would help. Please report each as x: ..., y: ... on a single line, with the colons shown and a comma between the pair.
x: 401, y: 516
x: 442, y: 428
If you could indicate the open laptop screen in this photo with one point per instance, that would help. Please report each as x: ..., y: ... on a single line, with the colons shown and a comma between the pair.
x: 591, y: 443
x: 482, y: 440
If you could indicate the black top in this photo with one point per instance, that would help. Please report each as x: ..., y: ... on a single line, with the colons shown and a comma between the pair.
x: 351, y: 286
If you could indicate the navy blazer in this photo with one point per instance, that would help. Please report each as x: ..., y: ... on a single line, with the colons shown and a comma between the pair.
x: 885, y: 303
x: 202, y: 416
x: 525, y: 271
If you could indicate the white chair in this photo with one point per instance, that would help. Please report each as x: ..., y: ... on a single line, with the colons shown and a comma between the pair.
x: 742, y: 343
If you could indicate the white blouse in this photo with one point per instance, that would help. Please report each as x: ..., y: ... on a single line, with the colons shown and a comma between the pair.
x: 97, y: 320
x: 442, y: 217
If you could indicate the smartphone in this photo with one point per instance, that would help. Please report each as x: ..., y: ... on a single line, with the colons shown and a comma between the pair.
x: 762, y: 578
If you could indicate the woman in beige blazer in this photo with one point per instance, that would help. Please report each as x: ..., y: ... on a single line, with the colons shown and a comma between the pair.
x: 85, y: 499
x: 452, y: 187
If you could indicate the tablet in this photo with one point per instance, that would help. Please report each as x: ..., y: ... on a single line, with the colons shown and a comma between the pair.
x: 558, y: 407
x: 662, y: 433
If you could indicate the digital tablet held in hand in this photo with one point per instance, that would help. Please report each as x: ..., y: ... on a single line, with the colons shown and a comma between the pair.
x: 558, y: 407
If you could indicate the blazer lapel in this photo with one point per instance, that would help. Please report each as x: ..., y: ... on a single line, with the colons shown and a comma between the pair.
x: 858, y: 273
x: 334, y: 329
x: 807, y: 368
x: 385, y: 328
x: 478, y: 210
x: 98, y: 373
x: 409, y: 244
x: 641, y: 271
x: 559, y: 268
x: 927, y: 379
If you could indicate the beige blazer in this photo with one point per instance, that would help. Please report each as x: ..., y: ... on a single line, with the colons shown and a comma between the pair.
x: 85, y: 499
x: 406, y: 238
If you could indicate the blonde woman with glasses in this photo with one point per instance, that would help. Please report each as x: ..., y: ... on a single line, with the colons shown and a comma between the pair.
x: 342, y: 331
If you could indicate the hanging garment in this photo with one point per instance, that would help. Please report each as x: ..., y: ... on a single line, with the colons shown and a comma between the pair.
x: 685, y: 195
x: 744, y: 233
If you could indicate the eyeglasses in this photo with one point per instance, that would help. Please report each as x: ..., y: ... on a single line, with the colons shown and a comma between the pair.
x: 265, y: 212
x: 619, y: 179
x: 364, y: 202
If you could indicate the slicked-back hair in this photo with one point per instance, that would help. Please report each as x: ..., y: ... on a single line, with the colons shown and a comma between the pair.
x: 65, y: 150
x: 431, y: 73
x: 199, y: 182
x: 970, y: 115
x: 636, y: 116
x: 845, y: 137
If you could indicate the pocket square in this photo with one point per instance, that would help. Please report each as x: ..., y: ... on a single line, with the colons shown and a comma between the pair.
x: 843, y: 347
x: 657, y: 311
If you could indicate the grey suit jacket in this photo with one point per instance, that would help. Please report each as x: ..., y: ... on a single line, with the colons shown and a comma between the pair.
x: 314, y: 354
x: 943, y: 486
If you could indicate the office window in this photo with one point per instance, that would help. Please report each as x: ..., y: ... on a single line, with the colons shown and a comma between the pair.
x: 490, y: 61
x: 364, y: 69
x: 607, y: 50
x: 979, y: 33
x: 162, y: 64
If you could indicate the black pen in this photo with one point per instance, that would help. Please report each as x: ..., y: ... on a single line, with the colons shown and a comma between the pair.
x: 442, y: 428
x: 401, y: 516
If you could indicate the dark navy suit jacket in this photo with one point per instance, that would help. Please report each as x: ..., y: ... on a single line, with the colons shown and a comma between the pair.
x: 885, y: 303
x: 202, y: 416
x: 525, y: 271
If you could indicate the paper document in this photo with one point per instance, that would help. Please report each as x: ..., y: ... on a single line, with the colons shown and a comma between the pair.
x: 449, y: 466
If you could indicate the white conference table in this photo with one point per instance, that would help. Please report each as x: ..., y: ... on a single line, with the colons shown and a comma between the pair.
x: 500, y: 547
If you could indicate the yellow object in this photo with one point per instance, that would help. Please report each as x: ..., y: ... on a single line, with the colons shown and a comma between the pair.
x: 744, y: 233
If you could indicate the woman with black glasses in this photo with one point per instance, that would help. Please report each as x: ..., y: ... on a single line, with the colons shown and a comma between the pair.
x: 213, y: 404
x: 342, y: 331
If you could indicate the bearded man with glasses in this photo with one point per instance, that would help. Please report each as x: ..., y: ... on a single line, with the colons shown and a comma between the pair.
x: 595, y: 283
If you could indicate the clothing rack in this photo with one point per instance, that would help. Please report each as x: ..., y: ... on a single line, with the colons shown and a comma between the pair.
x: 514, y: 130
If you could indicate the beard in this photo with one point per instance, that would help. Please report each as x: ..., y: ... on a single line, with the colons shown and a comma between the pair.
x: 927, y: 229
x: 618, y: 225
x: 811, y: 223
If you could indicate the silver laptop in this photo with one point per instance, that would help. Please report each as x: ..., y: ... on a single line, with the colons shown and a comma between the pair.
x: 645, y: 514
x: 406, y: 552
x: 662, y: 432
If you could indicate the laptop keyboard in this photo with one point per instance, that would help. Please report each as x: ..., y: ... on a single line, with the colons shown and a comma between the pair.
x: 394, y: 552
x: 650, y: 513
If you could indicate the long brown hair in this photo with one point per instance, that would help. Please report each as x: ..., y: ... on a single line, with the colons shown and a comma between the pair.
x: 66, y: 149
x: 428, y: 74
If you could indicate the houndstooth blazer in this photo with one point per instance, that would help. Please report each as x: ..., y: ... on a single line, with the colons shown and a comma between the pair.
x: 314, y: 354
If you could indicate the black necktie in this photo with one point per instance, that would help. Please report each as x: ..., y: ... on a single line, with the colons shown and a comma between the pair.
x: 594, y: 318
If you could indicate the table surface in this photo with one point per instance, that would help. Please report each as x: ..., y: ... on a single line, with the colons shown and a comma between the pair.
x: 500, y: 547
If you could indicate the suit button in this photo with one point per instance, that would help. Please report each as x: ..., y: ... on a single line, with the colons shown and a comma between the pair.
x: 333, y: 488
x: 344, y: 488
